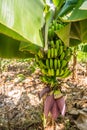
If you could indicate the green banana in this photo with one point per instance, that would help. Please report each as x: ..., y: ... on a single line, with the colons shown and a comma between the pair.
x: 57, y: 26
x: 58, y: 63
x: 57, y: 72
x: 52, y: 72
x: 51, y: 63
x: 63, y: 63
x: 48, y: 63
x: 44, y: 71
x: 43, y: 79
x: 52, y: 52
x: 66, y: 74
x: 41, y: 64
x: 60, y: 42
x: 52, y: 44
x: 60, y: 26
x: 55, y: 64
x: 60, y: 50
x: 52, y: 31
x: 54, y: 22
x: 56, y: 52
x: 57, y: 44
x: 61, y: 72
x: 49, y: 53
x: 62, y: 56
x: 49, y: 72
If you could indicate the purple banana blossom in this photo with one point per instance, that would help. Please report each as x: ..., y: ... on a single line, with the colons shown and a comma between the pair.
x: 55, y: 111
x: 43, y: 92
x: 61, y: 105
x: 48, y: 104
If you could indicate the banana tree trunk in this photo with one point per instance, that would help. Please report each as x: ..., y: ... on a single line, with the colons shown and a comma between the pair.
x: 74, y: 74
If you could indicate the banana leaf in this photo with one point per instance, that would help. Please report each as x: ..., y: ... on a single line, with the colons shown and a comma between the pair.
x: 74, y: 33
x: 64, y: 34
x: 79, y: 30
x: 29, y: 47
x: 22, y: 21
x: 74, y: 13
x: 9, y: 48
x: 68, y: 7
x: 58, y: 3
x: 83, y: 48
x: 74, y: 10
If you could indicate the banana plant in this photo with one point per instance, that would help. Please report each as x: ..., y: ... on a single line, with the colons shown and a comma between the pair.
x: 45, y: 30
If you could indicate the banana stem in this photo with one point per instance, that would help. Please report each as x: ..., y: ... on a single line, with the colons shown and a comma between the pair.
x: 74, y: 75
x: 46, y: 38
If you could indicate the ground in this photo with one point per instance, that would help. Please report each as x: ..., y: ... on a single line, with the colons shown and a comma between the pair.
x: 20, y: 107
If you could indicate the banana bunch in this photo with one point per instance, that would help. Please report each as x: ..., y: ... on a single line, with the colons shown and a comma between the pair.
x: 55, y: 25
x: 54, y: 62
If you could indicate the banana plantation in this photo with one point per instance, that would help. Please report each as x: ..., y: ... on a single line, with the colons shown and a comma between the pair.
x: 43, y: 65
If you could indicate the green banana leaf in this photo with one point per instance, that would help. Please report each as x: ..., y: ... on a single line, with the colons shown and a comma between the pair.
x: 83, y: 48
x: 9, y: 48
x: 58, y: 3
x: 74, y: 13
x: 84, y: 5
x: 74, y: 33
x: 79, y: 30
x: 64, y: 34
x: 29, y: 47
x: 74, y: 10
x: 68, y: 7
x: 22, y: 20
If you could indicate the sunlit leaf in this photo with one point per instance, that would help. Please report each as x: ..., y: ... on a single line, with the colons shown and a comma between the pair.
x: 74, y: 10
x: 22, y: 19
x: 84, y: 5
x: 68, y: 6
x: 56, y: 2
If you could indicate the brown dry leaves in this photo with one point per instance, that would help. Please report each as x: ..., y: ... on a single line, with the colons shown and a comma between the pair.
x: 21, y: 109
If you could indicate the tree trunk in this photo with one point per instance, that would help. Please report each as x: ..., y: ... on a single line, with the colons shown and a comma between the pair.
x: 74, y: 74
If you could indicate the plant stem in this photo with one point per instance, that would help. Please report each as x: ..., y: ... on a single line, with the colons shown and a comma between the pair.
x: 74, y: 75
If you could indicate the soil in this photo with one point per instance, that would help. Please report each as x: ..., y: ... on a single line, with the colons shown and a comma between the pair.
x: 20, y: 107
